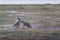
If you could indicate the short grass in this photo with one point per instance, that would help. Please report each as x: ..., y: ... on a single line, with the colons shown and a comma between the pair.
x: 46, y: 20
x: 30, y: 34
x: 48, y: 16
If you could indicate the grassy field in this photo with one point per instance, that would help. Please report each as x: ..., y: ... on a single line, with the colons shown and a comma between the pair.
x: 46, y: 15
x: 30, y: 34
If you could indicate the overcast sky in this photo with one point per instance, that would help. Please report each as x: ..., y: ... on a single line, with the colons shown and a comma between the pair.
x: 29, y: 1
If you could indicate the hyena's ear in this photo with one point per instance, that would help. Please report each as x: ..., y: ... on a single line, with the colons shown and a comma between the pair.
x: 18, y: 18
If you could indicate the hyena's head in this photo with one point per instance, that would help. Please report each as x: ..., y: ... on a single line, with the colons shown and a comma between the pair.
x: 20, y: 19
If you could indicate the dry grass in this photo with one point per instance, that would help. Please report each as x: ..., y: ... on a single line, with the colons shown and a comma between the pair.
x: 31, y: 34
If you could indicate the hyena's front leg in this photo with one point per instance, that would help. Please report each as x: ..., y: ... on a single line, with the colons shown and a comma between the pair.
x: 23, y: 26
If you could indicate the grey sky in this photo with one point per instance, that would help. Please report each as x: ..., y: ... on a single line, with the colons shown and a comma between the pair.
x: 29, y: 1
